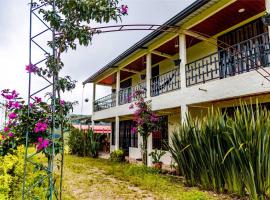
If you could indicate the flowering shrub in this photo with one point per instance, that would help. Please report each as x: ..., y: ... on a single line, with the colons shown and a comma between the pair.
x: 146, y: 121
x: 37, y: 124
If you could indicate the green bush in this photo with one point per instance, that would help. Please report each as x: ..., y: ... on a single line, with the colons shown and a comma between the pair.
x: 84, y: 143
x: 117, y: 156
x: 11, y: 177
x: 225, y: 153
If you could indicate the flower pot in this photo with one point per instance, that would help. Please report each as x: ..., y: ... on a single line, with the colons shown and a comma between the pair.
x: 158, y: 165
x: 266, y: 20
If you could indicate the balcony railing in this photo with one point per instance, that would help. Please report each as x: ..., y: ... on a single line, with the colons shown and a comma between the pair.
x: 239, y: 58
x: 166, y: 82
x: 126, y: 95
x: 105, y: 102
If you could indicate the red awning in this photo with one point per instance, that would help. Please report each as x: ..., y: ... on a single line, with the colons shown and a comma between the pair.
x: 97, y: 128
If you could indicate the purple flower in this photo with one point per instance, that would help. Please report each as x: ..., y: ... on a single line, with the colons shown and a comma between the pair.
x: 124, y: 9
x: 154, y: 119
x: 37, y: 99
x: 6, y: 129
x: 31, y: 68
x: 40, y: 127
x: 62, y: 102
x: 42, y: 143
x: 10, y: 134
x: 12, y: 115
x: 16, y: 105
x: 133, y: 130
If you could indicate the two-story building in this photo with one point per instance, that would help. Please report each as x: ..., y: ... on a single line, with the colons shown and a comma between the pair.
x: 219, y: 54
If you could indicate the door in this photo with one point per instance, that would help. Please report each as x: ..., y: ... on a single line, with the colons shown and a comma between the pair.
x: 241, y: 50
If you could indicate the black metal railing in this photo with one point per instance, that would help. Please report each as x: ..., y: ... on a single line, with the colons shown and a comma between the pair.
x: 105, y: 102
x: 239, y: 58
x: 166, y: 82
x: 127, y: 95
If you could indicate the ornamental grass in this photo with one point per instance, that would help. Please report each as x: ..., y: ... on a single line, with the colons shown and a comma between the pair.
x: 228, y: 154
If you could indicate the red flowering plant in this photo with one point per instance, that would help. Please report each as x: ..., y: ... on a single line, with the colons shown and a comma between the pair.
x: 146, y: 121
x: 38, y: 123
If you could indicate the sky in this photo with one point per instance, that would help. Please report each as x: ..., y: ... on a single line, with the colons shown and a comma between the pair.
x: 79, y: 64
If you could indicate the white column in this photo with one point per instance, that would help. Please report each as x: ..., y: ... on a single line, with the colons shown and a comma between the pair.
x: 183, y: 57
x: 149, y: 150
x: 267, y: 8
x: 117, y: 87
x: 148, y: 75
x: 117, y: 121
x: 93, y: 104
x: 184, y: 112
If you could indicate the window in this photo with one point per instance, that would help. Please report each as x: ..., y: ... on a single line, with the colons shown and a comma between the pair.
x: 160, y: 137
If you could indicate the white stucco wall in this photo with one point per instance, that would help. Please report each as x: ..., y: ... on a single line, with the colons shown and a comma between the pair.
x: 249, y: 83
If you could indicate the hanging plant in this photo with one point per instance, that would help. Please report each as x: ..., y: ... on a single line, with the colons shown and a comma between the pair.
x: 266, y: 19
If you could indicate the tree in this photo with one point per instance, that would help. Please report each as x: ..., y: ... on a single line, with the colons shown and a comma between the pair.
x: 145, y: 121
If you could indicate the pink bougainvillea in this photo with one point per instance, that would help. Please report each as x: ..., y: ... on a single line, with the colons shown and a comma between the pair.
x: 40, y: 127
x: 31, y: 68
x: 124, y: 9
x: 42, y: 143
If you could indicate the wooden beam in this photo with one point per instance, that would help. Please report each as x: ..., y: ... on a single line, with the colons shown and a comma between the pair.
x: 162, y: 54
x: 130, y: 70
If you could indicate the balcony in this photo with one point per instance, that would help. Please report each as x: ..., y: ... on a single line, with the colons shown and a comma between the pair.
x: 105, y: 102
x: 240, y: 58
x: 125, y: 95
x: 166, y: 82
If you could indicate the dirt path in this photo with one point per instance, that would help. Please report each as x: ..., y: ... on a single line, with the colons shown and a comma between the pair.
x: 93, y: 183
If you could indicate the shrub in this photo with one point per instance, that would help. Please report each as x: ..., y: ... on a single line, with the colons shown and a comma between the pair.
x: 84, y: 143
x: 226, y: 154
x: 117, y: 156
x: 11, y: 176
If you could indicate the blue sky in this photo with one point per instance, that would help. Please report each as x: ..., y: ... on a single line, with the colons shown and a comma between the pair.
x: 80, y: 64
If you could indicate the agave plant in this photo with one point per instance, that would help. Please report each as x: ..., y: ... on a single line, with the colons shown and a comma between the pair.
x: 225, y: 153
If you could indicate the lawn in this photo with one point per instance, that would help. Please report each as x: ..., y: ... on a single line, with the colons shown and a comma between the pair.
x: 87, y: 178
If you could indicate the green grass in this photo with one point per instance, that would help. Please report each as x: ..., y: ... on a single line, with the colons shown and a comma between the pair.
x: 102, y: 179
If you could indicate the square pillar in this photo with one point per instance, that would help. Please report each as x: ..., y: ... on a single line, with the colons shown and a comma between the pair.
x: 183, y: 57
x: 267, y: 8
x: 117, y: 122
x: 117, y: 87
x: 93, y: 103
x: 148, y: 75
x: 184, y: 112
x: 149, y: 150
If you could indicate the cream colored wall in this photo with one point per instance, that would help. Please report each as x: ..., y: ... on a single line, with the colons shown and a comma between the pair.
x: 200, y: 50
x: 173, y: 122
x: 197, y: 112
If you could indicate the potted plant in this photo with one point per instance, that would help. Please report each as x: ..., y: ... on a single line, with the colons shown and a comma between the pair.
x: 156, y: 156
x: 266, y: 19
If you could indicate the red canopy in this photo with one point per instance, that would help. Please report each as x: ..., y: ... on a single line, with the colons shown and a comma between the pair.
x: 97, y: 128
